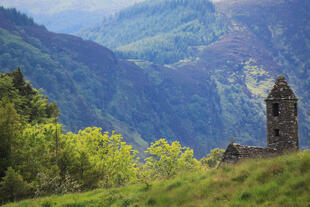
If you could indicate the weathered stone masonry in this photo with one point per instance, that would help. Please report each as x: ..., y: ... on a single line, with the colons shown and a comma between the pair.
x: 282, y: 126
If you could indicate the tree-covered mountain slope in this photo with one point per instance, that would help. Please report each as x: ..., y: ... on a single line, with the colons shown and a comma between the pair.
x: 162, y: 31
x: 255, y: 42
x: 77, y: 74
x: 93, y: 88
x: 285, y: 32
x: 265, y: 39
x: 203, y: 101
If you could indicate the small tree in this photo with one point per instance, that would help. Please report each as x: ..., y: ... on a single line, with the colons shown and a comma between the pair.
x: 167, y: 159
x: 9, y: 131
x: 213, y: 158
x: 13, y: 187
x: 35, y: 151
x: 95, y: 158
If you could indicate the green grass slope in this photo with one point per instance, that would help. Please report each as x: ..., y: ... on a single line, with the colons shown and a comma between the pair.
x: 283, y: 181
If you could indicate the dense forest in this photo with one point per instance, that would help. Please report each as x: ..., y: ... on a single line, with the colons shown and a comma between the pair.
x: 38, y: 158
x: 159, y: 31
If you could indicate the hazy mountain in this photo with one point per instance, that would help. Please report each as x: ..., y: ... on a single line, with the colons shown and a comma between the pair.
x: 159, y: 31
x: 68, y: 16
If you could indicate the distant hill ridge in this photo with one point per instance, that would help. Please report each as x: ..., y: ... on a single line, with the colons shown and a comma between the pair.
x: 16, y: 17
x: 68, y: 16
x: 159, y: 31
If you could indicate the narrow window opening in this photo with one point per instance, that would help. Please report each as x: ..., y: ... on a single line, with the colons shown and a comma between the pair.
x: 295, y: 109
x: 275, y: 109
x: 276, y: 132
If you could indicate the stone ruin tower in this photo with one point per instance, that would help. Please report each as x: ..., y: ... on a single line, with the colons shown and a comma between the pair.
x: 282, y: 124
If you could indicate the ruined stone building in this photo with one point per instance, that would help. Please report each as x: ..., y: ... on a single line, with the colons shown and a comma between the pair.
x: 282, y: 126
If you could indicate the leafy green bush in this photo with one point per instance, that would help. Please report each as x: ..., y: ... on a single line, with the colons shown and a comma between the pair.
x: 213, y: 158
x: 13, y: 187
x: 98, y: 159
x: 165, y: 159
x: 35, y: 151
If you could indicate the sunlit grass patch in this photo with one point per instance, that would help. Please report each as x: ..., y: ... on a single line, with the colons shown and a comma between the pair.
x: 282, y: 181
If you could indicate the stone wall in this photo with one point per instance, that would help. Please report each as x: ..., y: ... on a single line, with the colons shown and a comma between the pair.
x: 235, y: 152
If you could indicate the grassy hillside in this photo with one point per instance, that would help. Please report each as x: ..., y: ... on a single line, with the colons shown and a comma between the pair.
x: 283, y: 181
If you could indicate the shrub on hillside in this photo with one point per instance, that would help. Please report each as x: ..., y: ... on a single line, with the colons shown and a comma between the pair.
x: 52, y: 183
x: 98, y: 159
x: 166, y: 159
x: 13, y: 187
x: 213, y: 159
